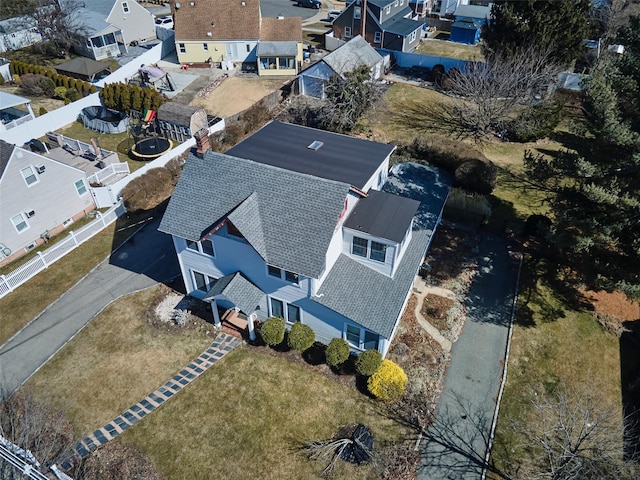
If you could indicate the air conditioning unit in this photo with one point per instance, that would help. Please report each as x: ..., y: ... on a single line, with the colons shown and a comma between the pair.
x: 30, y: 213
x: 40, y: 169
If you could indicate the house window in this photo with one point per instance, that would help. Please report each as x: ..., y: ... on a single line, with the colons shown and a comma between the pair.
x: 182, y: 48
x: 97, y: 42
x: 377, y: 37
x: 378, y: 251
x: 288, y: 311
x: 277, y: 308
x: 20, y: 222
x: 110, y: 39
x: 353, y: 335
x: 347, y: 32
x: 125, y: 7
x: 207, y: 247
x: 81, y: 187
x: 248, y: 47
x: 291, y: 277
x: 293, y: 313
x: 413, y: 36
x: 205, y: 47
x: 357, y: 13
x: 191, y: 245
x: 360, y: 338
x: 29, y: 175
x: 274, y: 271
x: 268, y: 63
x: 202, y: 282
x: 288, y: 63
x: 359, y: 246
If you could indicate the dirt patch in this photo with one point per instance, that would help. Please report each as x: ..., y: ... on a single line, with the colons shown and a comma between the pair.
x: 236, y: 94
x: 49, y: 104
x: 164, y: 313
x: 615, y: 304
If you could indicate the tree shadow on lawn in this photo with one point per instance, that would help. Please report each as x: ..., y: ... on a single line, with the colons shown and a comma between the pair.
x: 630, y: 384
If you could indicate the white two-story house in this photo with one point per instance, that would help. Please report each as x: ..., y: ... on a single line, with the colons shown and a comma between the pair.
x: 294, y: 222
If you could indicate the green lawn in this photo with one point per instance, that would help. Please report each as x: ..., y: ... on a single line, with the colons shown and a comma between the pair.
x: 244, y: 418
x: 445, y: 48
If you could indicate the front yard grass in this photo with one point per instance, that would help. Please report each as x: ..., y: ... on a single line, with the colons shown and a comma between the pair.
x: 244, y: 418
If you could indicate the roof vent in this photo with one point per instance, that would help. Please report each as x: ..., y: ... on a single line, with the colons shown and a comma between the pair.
x: 209, y: 34
x: 280, y: 17
x: 40, y: 169
x: 315, y: 145
x: 178, y: 5
x: 244, y: 4
x: 193, y: 4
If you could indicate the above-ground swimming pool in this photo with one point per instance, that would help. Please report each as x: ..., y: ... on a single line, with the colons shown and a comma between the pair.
x: 103, y: 120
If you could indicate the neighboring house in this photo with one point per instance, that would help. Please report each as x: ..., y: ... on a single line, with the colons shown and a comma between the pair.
x: 18, y: 32
x: 39, y: 197
x: 209, y: 31
x: 421, y: 8
x: 14, y: 110
x: 473, y: 13
x: 292, y: 222
x: 111, y: 25
x: 476, y: 9
x: 388, y: 24
x: 280, y: 46
x: 346, y: 58
x: 5, y: 71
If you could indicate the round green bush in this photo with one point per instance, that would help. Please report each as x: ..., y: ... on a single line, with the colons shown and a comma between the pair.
x: 272, y: 331
x: 388, y: 382
x: 337, y: 352
x: 301, y: 337
x: 368, y: 362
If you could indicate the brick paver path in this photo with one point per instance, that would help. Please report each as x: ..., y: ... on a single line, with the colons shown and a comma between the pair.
x: 222, y: 345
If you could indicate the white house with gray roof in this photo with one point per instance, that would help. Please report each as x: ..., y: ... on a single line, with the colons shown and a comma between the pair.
x: 111, y: 25
x: 305, y: 225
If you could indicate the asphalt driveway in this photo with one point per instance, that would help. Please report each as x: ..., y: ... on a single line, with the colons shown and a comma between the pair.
x: 456, y: 444
x: 143, y: 261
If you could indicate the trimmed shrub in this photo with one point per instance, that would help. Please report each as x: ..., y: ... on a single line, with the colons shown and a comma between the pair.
x: 477, y: 176
x: 60, y: 92
x: 272, y: 331
x: 388, y: 382
x: 368, y: 362
x: 42, y: 111
x: 337, y: 352
x: 301, y: 337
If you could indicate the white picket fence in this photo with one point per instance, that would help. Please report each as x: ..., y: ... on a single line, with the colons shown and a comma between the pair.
x: 43, y: 259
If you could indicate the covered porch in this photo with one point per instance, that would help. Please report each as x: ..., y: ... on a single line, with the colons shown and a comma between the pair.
x: 234, y: 302
x: 14, y: 110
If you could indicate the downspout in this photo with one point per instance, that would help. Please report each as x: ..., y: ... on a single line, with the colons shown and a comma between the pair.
x: 363, y: 19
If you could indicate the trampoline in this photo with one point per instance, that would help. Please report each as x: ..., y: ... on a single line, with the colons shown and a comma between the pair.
x: 103, y: 120
x: 150, y: 148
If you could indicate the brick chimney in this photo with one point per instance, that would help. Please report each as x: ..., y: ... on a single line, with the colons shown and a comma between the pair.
x: 202, y: 142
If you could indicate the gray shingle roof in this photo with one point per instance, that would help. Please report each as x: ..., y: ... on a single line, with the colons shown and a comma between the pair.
x: 354, y: 53
x: 6, y: 149
x: 383, y: 215
x: 340, y: 158
x: 372, y: 299
x: 297, y: 213
x: 401, y: 25
x: 240, y: 290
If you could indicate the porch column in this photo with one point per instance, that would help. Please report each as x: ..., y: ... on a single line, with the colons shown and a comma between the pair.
x: 252, y: 331
x: 216, y: 317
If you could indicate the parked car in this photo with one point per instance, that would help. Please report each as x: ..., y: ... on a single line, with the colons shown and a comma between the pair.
x: 310, y: 4
x: 165, y: 21
x: 333, y: 14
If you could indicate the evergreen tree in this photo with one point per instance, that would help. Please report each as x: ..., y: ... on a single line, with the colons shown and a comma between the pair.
x: 558, y: 27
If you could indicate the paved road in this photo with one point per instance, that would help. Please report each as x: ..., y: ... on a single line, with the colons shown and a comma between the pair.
x: 144, y: 260
x: 456, y: 444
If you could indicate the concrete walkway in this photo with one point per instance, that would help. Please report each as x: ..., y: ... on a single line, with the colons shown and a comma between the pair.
x: 141, y: 262
x: 456, y: 444
x: 222, y: 345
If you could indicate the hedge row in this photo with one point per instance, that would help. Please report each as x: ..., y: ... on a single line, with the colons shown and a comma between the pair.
x: 22, y: 68
x: 124, y: 97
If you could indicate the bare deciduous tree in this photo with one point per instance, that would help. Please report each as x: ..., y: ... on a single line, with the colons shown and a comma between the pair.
x: 487, y: 93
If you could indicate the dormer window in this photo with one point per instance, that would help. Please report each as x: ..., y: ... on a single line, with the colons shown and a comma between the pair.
x: 378, y: 252
x: 369, y: 249
x: 282, y: 274
x: 360, y: 247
